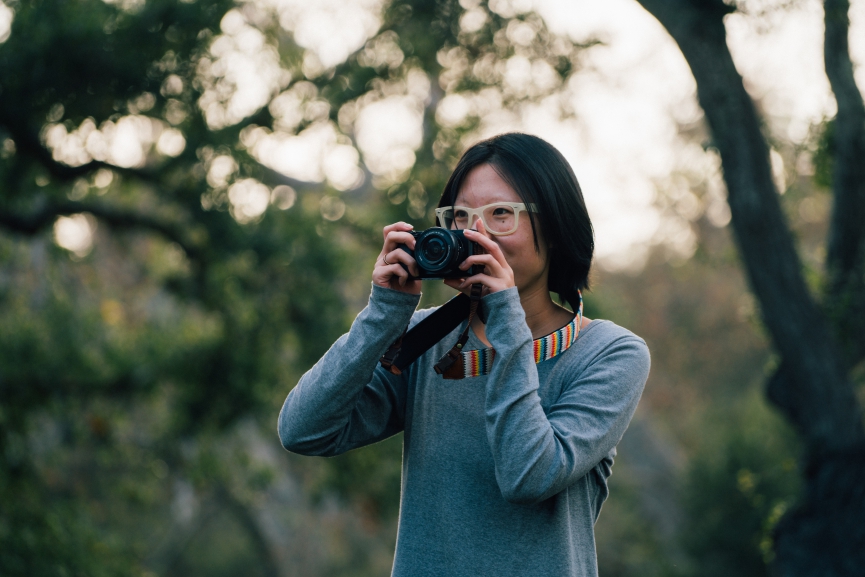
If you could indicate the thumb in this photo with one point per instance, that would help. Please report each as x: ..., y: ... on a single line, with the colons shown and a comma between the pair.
x: 481, y: 228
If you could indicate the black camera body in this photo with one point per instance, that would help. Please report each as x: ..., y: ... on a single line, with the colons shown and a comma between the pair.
x: 439, y: 253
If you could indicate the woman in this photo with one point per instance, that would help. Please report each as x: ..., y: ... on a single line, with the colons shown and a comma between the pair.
x: 504, y: 471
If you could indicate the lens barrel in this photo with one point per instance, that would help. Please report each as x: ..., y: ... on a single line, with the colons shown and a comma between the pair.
x: 438, y: 249
x: 439, y: 253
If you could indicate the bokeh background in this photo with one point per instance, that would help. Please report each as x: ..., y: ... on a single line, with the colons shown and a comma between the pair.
x: 191, y: 202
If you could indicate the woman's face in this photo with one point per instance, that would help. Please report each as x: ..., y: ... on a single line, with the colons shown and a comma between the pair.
x: 483, y: 186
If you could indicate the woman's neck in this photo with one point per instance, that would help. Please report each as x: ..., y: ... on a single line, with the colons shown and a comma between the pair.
x: 543, y: 316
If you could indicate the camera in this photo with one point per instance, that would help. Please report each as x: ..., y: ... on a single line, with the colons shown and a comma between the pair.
x: 439, y: 253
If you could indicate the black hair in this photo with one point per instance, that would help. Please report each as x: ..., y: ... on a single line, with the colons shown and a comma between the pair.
x: 541, y: 175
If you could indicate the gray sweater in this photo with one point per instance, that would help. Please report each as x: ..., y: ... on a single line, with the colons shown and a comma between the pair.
x: 502, y: 474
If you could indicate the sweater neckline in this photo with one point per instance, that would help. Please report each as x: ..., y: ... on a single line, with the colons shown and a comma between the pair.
x: 478, y: 362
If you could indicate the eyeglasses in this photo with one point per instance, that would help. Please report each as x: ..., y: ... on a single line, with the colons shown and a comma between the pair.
x: 500, y: 218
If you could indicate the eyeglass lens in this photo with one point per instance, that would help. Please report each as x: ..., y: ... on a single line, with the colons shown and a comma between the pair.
x: 497, y: 218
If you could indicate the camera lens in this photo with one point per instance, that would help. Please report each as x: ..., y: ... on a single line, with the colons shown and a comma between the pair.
x: 434, y: 251
x: 437, y: 250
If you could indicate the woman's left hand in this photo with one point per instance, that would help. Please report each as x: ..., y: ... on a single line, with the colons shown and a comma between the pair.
x: 497, y: 275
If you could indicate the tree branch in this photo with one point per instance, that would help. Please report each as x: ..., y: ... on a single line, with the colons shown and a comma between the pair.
x: 33, y: 223
x: 845, y: 259
x: 167, y: 556
x: 248, y: 521
x: 826, y: 411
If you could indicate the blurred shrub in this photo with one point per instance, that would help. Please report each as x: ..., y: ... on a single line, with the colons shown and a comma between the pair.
x: 737, y: 486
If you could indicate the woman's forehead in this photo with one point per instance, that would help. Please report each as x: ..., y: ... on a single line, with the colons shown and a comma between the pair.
x: 483, y: 185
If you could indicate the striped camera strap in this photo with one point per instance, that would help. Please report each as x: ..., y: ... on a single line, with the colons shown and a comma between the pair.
x: 480, y: 361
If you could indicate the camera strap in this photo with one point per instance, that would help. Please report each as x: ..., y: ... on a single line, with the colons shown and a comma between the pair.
x: 424, y: 335
x: 456, y: 351
x: 415, y: 342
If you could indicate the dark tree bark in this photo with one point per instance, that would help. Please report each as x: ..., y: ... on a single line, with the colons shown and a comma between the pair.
x: 845, y: 259
x: 824, y: 535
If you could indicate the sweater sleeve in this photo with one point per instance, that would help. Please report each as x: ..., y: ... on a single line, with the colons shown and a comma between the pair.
x: 346, y: 400
x: 537, y: 454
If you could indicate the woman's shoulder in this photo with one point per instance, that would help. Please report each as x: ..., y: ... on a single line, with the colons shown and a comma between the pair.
x: 603, y: 329
x: 605, y: 355
x: 602, y: 338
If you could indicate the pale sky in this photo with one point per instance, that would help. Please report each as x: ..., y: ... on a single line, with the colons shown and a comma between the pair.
x: 639, y: 85
x: 622, y: 143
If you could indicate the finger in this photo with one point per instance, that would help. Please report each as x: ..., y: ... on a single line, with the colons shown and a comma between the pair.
x: 494, y: 267
x: 492, y: 283
x: 396, y: 226
x: 482, y: 228
x: 395, y: 238
x: 456, y: 283
x: 491, y: 246
x: 399, y: 255
x: 405, y: 279
x: 480, y: 237
x: 489, y: 284
x: 396, y: 270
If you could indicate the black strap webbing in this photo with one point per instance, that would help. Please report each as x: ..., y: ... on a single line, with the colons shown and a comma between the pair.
x: 449, y: 360
x: 426, y: 333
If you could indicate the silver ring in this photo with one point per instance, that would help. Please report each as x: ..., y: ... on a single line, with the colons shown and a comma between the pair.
x: 384, y: 258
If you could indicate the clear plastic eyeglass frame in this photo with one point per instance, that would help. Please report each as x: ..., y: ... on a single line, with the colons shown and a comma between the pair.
x: 487, y: 213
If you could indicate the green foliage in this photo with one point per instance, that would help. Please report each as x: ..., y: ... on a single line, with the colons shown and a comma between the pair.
x: 58, y: 541
x: 136, y: 379
x: 627, y: 542
x: 823, y: 155
x: 370, y: 477
x: 737, y: 487
x: 128, y: 370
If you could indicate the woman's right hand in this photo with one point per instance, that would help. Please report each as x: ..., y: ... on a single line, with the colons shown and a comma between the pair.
x: 388, y: 272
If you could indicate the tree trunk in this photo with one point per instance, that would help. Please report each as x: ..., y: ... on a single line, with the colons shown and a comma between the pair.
x: 824, y: 535
x: 845, y: 259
